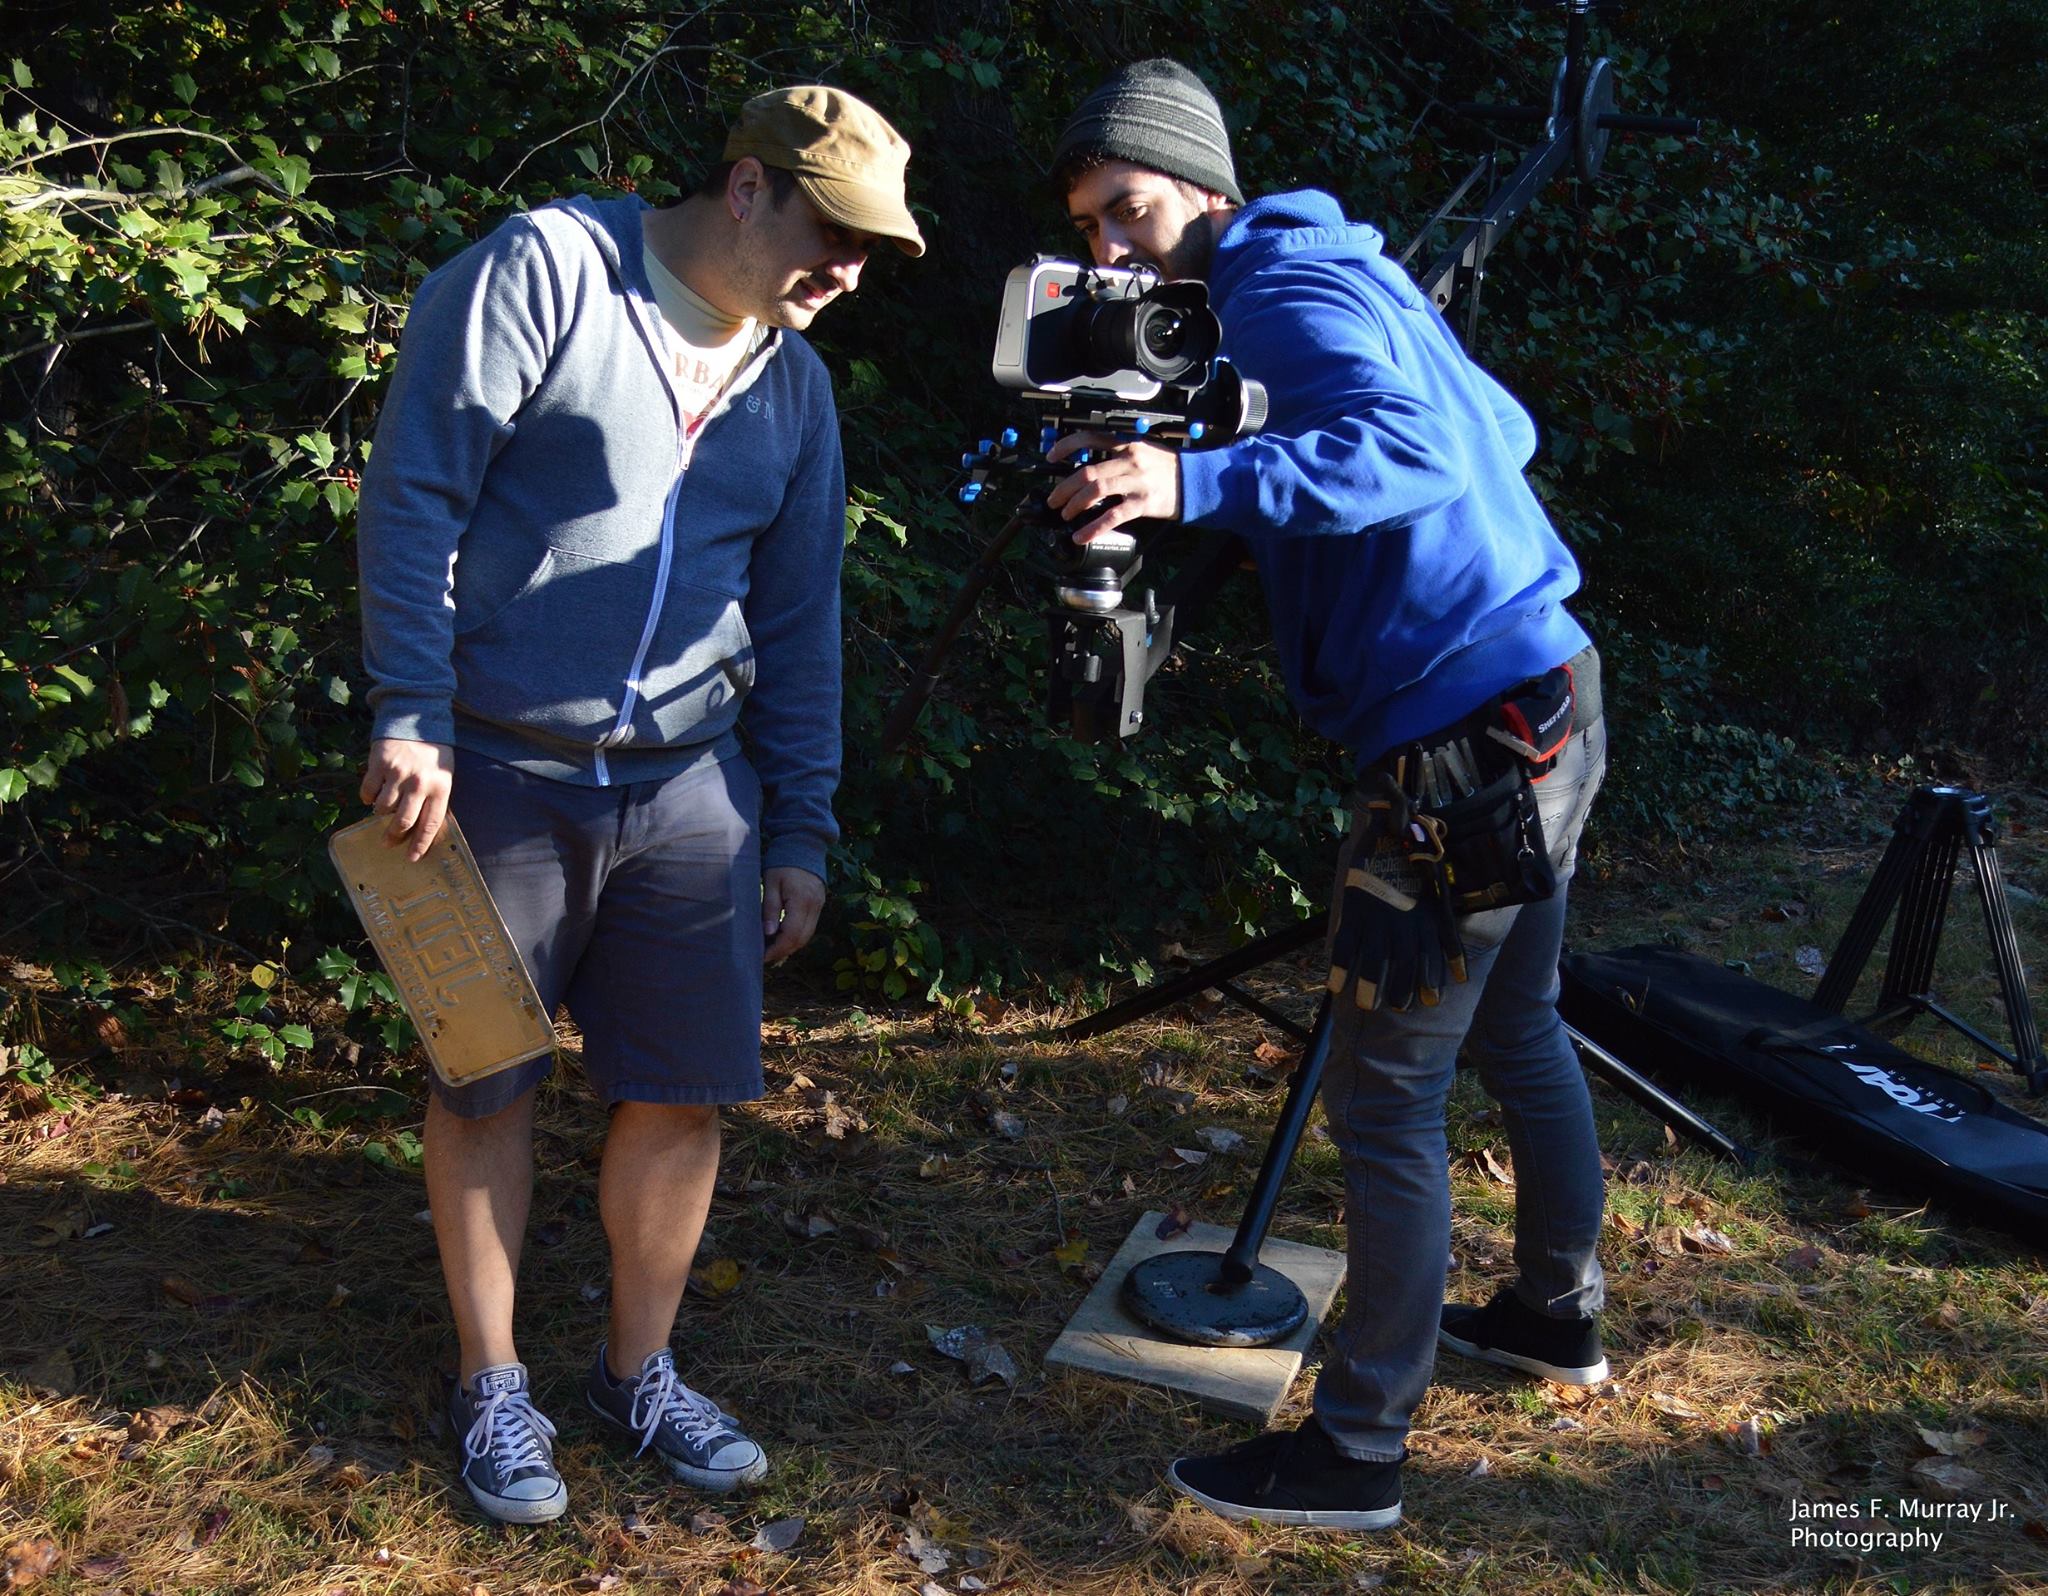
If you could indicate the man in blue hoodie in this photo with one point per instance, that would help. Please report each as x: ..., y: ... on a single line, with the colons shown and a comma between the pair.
x: 600, y: 539
x: 1417, y: 594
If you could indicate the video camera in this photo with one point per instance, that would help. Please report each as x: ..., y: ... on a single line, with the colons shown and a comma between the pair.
x: 1118, y: 350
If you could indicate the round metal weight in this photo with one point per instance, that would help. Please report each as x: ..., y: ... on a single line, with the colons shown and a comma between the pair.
x: 1589, y: 137
x: 1183, y: 1295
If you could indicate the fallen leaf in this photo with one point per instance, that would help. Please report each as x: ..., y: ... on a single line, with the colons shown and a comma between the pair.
x: 153, y: 1424
x: 1748, y: 1438
x: 926, y: 1553
x: 779, y: 1536
x: 973, y: 1582
x: 1953, y: 1443
x: 208, y: 1529
x: 1802, y: 1259
x: 1272, y: 1054
x: 1947, y: 1476
x: 1006, y: 1125
x: 1674, y: 1407
x: 1174, y: 1223
x: 1857, y: 1207
x: 1811, y: 961
x: 52, y: 1373
x: 705, y: 1520
x: 1184, y: 1155
x: 935, y: 1165
x: 27, y: 1561
x: 1564, y: 1422
x: 899, y: 1368
x: 1496, y: 1168
x: 1118, y: 1106
x: 551, y: 1232
x: 969, y: 1344
x: 54, y: 1232
x: 722, y: 1275
x: 1701, y: 1239
x: 741, y: 1586
x: 319, y: 1456
x: 1220, y: 1139
x: 1069, y: 1253
x: 810, y: 1226
x: 93, y: 1232
x: 990, y: 1361
x: 1130, y: 1186
x: 1479, y: 1470
x: 104, y: 1568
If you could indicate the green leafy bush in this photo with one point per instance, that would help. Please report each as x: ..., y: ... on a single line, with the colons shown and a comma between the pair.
x: 215, y: 216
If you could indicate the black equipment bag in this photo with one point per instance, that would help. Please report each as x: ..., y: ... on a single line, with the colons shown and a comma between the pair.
x: 1903, y: 1122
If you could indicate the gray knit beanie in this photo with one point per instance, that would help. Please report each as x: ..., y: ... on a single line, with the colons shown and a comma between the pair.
x: 1155, y: 114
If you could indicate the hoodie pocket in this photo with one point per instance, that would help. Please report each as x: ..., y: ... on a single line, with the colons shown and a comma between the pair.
x: 553, y: 658
x: 698, y: 670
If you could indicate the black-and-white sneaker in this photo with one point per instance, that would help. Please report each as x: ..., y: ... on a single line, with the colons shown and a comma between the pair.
x: 699, y: 1441
x: 1293, y: 1478
x: 508, y: 1454
x: 1509, y: 1332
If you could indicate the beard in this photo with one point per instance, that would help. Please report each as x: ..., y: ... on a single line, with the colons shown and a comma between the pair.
x: 1189, y: 255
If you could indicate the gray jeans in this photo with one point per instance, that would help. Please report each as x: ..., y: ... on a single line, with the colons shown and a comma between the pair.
x: 1384, y: 1098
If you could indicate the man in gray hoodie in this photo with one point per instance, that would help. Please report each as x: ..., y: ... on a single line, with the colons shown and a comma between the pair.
x: 599, y: 541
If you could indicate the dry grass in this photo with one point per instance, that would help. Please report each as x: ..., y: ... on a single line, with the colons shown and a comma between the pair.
x: 282, y: 1433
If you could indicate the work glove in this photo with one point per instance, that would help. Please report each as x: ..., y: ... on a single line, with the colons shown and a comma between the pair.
x: 1397, y: 940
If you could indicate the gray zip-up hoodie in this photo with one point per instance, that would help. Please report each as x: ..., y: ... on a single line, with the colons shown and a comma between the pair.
x: 555, y: 574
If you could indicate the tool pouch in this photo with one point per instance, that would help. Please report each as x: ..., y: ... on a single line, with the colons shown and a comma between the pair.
x: 1494, y: 852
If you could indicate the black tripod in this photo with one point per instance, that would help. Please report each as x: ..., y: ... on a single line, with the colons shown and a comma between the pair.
x: 1915, y: 878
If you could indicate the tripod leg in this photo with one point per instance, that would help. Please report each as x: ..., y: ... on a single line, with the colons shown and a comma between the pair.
x: 1923, y: 910
x: 1852, y: 953
x: 1598, y: 1061
x: 2005, y: 953
x: 1215, y: 973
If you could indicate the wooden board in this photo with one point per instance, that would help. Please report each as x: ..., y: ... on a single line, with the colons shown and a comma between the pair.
x: 444, y: 945
x: 1243, y: 1382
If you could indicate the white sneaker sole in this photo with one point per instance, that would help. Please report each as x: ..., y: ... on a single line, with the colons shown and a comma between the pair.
x: 520, y: 1510
x: 1377, y: 1518
x: 1592, y: 1375
x: 718, y: 1481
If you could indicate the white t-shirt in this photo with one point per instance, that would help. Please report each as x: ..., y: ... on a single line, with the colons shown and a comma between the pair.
x: 705, y: 343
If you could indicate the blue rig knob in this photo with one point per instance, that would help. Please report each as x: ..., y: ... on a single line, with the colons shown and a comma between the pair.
x: 1009, y: 438
x: 1048, y: 435
x: 1195, y: 430
x: 969, y: 492
x: 970, y: 460
x: 1142, y: 425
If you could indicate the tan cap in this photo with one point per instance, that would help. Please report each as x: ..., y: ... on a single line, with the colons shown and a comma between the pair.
x: 846, y: 159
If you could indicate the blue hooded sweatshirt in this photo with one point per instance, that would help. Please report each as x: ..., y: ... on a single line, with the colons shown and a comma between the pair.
x: 558, y: 574
x: 1408, y: 568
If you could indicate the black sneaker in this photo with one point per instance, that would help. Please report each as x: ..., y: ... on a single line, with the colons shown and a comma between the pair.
x: 1294, y: 1478
x: 508, y: 1457
x: 699, y: 1441
x: 1508, y: 1331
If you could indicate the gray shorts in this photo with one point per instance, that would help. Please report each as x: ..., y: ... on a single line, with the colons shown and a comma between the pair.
x: 639, y: 907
